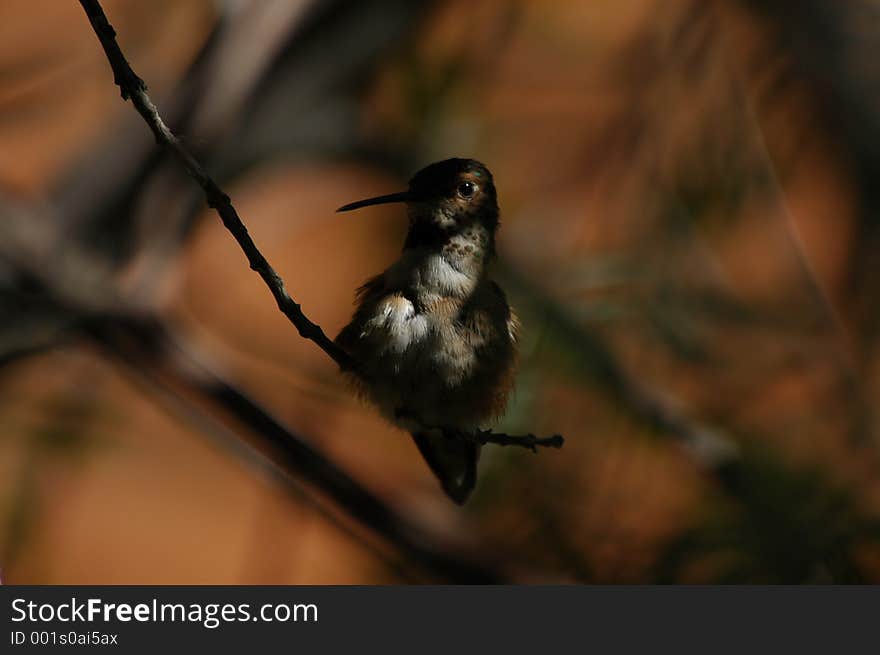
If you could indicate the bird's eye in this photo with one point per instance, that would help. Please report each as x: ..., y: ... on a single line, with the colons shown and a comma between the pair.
x: 467, y: 189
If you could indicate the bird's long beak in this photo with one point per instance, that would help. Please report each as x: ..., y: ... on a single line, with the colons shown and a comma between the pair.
x: 403, y: 196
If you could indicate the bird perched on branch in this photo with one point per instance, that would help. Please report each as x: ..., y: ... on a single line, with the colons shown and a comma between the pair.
x: 433, y: 335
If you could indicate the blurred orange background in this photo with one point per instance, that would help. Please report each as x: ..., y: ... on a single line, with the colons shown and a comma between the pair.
x: 687, y: 231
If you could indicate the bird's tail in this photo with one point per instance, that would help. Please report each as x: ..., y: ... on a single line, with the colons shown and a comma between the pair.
x: 453, y: 461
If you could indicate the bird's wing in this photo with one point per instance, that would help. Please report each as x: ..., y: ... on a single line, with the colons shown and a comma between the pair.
x: 366, y: 298
x: 511, y: 318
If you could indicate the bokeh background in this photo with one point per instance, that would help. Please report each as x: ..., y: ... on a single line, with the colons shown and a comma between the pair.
x: 690, y: 232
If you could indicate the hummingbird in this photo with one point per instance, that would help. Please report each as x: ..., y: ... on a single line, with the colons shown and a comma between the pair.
x: 433, y: 335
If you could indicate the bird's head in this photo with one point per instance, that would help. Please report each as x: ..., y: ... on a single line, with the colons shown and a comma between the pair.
x: 444, y: 199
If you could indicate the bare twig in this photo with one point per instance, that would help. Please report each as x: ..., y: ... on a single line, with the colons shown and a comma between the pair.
x: 529, y: 441
x: 133, y: 88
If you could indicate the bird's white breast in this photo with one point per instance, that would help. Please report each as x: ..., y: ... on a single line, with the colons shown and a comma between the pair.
x: 397, y: 324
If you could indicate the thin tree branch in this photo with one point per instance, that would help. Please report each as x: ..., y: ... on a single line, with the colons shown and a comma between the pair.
x: 528, y: 441
x: 133, y: 88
